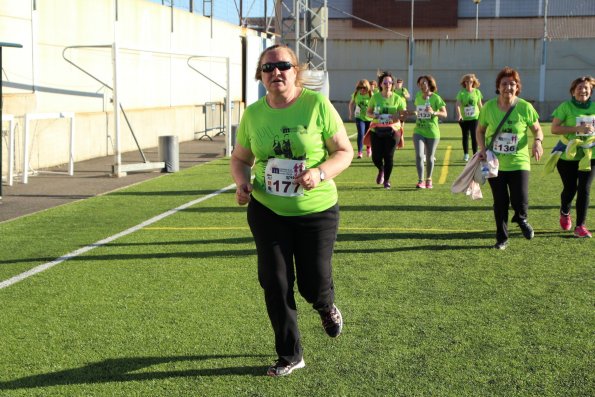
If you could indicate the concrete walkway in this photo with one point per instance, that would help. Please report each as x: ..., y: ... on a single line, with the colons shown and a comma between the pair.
x: 92, y: 178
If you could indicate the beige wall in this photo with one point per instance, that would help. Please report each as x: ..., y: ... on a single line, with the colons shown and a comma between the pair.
x: 160, y: 93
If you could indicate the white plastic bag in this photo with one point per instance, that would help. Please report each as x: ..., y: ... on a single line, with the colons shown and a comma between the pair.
x: 493, y: 164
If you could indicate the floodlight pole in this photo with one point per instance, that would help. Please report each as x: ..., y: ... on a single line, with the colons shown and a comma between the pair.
x: 116, y: 96
x: 476, y: 18
x: 542, y: 67
x: 411, y: 52
x: 14, y: 45
x: 228, y: 108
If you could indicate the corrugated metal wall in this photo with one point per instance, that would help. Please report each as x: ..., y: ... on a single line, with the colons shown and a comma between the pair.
x: 448, y: 60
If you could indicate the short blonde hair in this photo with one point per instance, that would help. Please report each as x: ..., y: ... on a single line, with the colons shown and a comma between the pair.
x: 471, y: 77
x: 363, y: 84
x: 292, y: 57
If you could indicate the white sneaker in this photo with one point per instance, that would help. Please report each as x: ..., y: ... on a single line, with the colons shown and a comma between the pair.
x: 284, y: 368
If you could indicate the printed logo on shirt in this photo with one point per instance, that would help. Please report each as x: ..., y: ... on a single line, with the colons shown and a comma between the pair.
x: 282, y: 142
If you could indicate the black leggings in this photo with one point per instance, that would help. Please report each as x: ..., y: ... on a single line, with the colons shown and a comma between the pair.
x: 509, y: 188
x: 309, y: 240
x: 575, y: 183
x: 383, y: 151
x: 468, y: 129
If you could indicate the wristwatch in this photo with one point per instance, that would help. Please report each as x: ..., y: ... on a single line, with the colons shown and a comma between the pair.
x: 322, y: 175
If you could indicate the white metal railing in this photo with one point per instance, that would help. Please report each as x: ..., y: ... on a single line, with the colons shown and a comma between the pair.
x: 45, y: 116
x: 10, y: 119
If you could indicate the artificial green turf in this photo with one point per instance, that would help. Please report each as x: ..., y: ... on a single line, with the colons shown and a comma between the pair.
x: 175, y: 309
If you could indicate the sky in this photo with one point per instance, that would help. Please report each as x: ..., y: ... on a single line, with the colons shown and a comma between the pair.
x: 227, y: 10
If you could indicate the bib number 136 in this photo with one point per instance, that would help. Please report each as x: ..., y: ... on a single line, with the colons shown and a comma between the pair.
x: 505, y: 143
x: 280, y: 177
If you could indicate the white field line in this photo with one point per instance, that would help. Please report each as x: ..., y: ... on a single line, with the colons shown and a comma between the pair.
x: 80, y: 251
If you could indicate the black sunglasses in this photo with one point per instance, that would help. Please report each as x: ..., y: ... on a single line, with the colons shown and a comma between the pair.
x: 282, y: 66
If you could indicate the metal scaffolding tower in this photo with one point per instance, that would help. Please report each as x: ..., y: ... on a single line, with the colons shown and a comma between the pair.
x: 305, y: 28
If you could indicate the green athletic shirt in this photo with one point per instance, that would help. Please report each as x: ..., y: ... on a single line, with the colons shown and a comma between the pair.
x: 390, y: 105
x: 467, y: 98
x: 401, y: 92
x: 361, y: 101
x: 523, y: 116
x: 297, y: 132
x: 428, y: 128
x: 567, y: 112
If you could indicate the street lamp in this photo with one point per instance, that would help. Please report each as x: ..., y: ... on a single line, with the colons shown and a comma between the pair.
x: 476, y: 17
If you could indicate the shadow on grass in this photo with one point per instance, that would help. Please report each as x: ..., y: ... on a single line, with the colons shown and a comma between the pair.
x: 126, y: 370
x: 409, y: 235
x: 236, y: 240
x: 413, y: 208
x: 148, y: 256
x: 196, y: 193
x: 487, y: 206
x: 343, y: 237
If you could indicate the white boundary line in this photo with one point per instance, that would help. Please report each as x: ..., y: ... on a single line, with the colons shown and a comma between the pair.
x: 80, y: 251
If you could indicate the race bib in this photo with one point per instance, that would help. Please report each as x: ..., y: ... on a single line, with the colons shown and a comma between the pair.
x: 385, y: 118
x: 280, y: 177
x: 357, y: 111
x: 505, y: 143
x: 422, y: 113
x: 469, y: 111
x: 583, y: 121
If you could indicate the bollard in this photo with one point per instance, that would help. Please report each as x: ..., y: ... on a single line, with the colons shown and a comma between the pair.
x: 169, y: 152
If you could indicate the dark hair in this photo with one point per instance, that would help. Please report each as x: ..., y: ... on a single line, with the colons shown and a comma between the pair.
x: 431, y: 82
x: 509, y: 72
x: 581, y: 79
x: 382, y: 75
x: 293, y: 60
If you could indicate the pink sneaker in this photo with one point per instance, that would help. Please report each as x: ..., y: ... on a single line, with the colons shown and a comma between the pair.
x: 429, y: 184
x: 581, y: 231
x: 359, y: 155
x: 420, y: 185
x: 565, y: 222
x: 368, y: 151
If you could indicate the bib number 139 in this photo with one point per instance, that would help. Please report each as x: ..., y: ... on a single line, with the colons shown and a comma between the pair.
x: 280, y: 177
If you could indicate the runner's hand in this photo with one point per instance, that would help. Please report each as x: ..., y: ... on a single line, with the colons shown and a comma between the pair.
x: 243, y: 193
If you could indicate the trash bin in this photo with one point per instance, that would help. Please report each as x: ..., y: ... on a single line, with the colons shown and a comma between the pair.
x: 169, y: 152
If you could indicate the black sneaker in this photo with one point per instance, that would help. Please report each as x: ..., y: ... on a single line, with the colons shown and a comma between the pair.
x: 283, y: 368
x: 332, y: 322
x: 501, y: 245
x: 526, y: 229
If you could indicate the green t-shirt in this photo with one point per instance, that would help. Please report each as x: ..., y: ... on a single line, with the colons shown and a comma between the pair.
x: 515, y: 127
x: 294, y: 133
x: 426, y: 125
x: 469, y: 103
x: 361, y: 101
x: 386, y: 106
x: 401, y: 92
x: 567, y: 112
